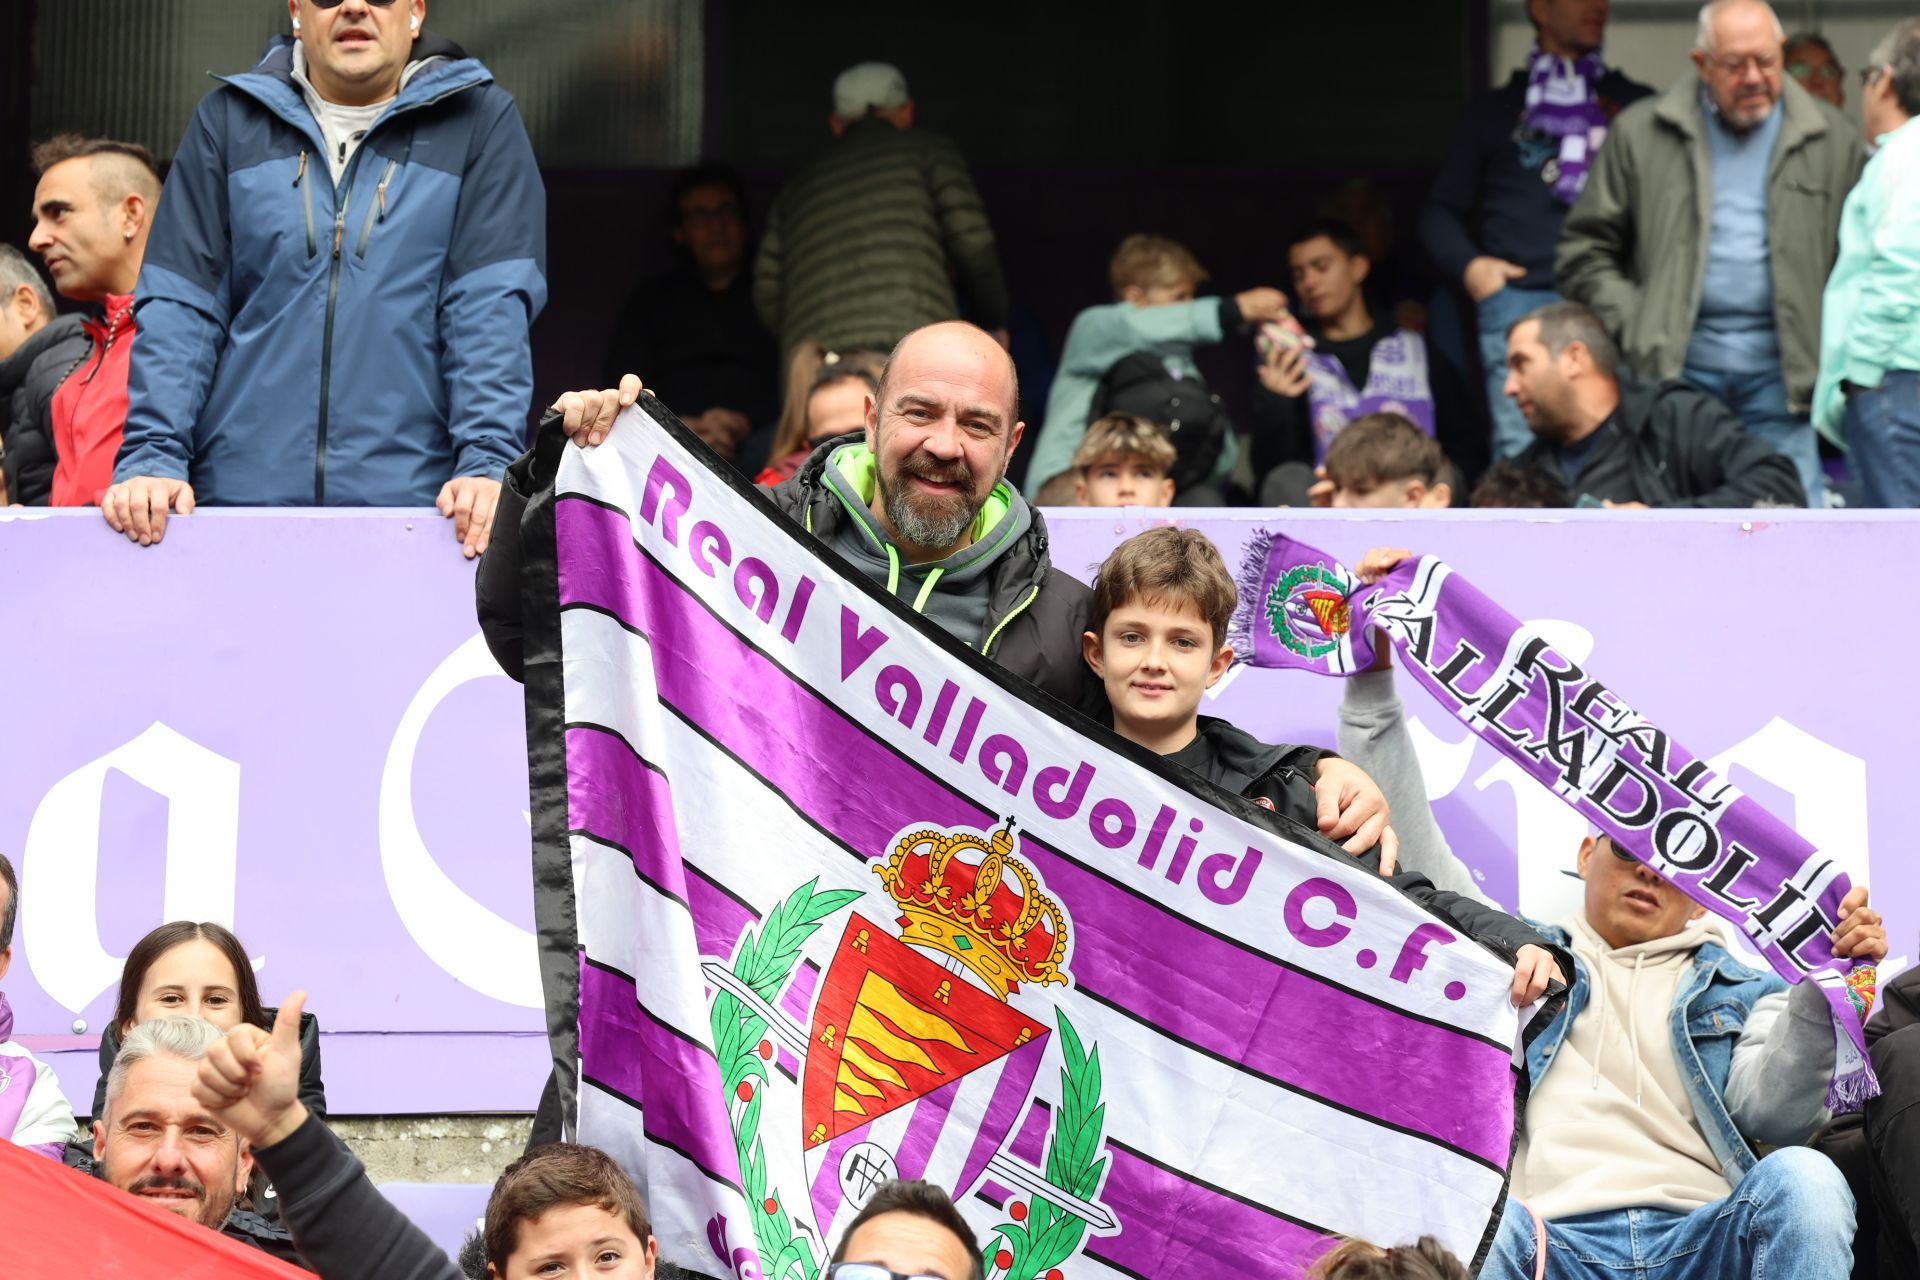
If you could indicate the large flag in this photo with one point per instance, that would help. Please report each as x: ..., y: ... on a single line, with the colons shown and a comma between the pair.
x: 1580, y: 738
x: 58, y: 1221
x: 850, y: 902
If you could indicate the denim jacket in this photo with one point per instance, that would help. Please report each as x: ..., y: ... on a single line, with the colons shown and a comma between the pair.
x: 1754, y: 1062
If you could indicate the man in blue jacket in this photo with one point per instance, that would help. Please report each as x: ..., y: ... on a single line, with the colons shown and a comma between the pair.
x: 336, y: 297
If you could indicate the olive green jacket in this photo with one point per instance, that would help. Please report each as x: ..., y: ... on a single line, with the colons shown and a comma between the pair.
x: 1634, y: 245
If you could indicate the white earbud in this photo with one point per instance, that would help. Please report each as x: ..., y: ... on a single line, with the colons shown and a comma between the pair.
x: 296, y: 24
x: 413, y: 24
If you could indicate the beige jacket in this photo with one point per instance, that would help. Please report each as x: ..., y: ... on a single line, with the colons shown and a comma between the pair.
x: 1634, y: 245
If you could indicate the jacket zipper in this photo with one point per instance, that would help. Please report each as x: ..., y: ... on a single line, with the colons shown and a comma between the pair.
x: 106, y: 345
x: 377, y: 206
x: 987, y: 647
x: 306, y: 203
x: 326, y: 346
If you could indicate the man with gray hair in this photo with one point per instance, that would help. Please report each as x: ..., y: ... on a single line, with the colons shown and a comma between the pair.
x: 1628, y: 444
x: 37, y: 350
x: 1708, y: 225
x: 1868, y: 396
x: 154, y: 1140
x: 859, y: 244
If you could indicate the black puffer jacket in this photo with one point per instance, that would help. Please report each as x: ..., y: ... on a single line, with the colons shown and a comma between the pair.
x: 1280, y: 779
x: 28, y: 379
x: 1040, y: 644
x: 1669, y: 444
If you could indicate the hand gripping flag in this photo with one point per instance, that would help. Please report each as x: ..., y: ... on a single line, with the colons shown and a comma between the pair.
x: 1560, y: 724
x: 833, y: 899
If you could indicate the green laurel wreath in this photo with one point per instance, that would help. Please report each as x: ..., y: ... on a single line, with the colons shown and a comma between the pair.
x: 764, y: 962
x: 1277, y: 623
x: 1050, y: 1234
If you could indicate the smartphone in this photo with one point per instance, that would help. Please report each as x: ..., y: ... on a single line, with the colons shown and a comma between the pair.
x: 1273, y: 337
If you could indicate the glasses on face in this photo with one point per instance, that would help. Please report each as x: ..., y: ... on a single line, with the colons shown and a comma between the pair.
x: 335, y: 4
x: 868, y: 1271
x: 1868, y: 75
x: 1831, y: 72
x: 728, y: 212
x: 1618, y: 852
x: 1765, y: 63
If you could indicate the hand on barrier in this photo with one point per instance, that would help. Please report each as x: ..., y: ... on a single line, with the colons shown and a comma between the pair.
x: 587, y: 416
x: 1533, y: 968
x: 1353, y: 809
x: 138, y: 507
x: 470, y: 500
x: 252, y: 1077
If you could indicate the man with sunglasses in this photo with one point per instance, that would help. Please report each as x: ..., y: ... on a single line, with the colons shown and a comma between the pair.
x: 907, y: 1231
x: 334, y: 306
x: 1707, y: 227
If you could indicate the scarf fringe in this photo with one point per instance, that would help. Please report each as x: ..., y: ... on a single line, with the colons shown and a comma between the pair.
x: 1255, y: 563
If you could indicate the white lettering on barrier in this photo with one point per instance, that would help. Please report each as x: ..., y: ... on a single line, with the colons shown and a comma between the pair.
x: 62, y: 863
x: 494, y: 956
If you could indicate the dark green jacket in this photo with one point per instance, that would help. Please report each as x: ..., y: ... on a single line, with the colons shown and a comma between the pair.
x: 857, y: 245
x: 1634, y: 247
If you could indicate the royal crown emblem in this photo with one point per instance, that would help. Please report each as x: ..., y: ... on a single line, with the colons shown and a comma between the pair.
x: 967, y: 896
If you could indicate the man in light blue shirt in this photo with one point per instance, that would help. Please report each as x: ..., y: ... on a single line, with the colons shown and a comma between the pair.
x: 1868, y: 395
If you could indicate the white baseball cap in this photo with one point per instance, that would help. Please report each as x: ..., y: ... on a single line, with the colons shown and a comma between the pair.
x: 868, y: 85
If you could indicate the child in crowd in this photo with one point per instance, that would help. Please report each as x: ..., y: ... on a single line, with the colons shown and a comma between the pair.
x: 826, y: 397
x: 200, y: 970
x: 1358, y: 1260
x: 1161, y: 607
x: 33, y: 1111
x: 1123, y: 462
x: 1357, y: 365
x: 1383, y: 460
x: 1139, y: 348
x: 1508, y: 484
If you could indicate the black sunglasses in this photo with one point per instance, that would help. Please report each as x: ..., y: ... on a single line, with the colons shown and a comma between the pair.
x: 335, y: 4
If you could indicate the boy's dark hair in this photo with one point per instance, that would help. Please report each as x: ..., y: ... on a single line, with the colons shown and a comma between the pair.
x: 1359, y: 1260
x: 1377, y: 448
x: 1340, y: 233
x: 921, y: 1199
x: 1150, y: 260
x: 1166, y: 565
x: 1125, y: 437
x: 1509, y: 484
x: 12, y: 882
x: 687, y: 181
x: 555, y: 1174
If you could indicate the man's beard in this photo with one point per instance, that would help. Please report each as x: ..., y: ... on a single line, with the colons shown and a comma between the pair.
x: 924, y: 519
x: 199, y: 1209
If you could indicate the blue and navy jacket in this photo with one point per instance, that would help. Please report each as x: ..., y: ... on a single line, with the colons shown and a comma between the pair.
x: 307, y: 345
x: 1711, y: 1007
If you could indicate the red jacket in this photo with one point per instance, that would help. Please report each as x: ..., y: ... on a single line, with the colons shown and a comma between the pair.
x: 90, y: 409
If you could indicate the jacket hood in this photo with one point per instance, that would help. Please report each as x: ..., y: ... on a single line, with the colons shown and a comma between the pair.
x: 13, y: 370
x: 6, y: 1019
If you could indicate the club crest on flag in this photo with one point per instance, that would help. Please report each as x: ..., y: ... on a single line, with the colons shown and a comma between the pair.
x: 917, y: 1059
x: 1307, y: 610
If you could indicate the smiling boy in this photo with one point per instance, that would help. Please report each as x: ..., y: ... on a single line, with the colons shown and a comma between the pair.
x: 1161, y: 605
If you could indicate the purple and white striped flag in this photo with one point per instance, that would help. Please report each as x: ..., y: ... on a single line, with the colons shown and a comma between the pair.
x: 850, y: 902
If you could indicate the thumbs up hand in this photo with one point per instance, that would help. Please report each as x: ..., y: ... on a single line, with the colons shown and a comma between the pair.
x: 252, y: 1078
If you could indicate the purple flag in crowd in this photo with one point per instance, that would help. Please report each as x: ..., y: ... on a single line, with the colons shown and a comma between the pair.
x: 850, y: 902
x: 1564, y: 727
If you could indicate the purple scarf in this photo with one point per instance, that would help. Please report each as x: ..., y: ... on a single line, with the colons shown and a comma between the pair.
x: 1563, y: 103
x: 1397, y: 382
x: 1560, y: 724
